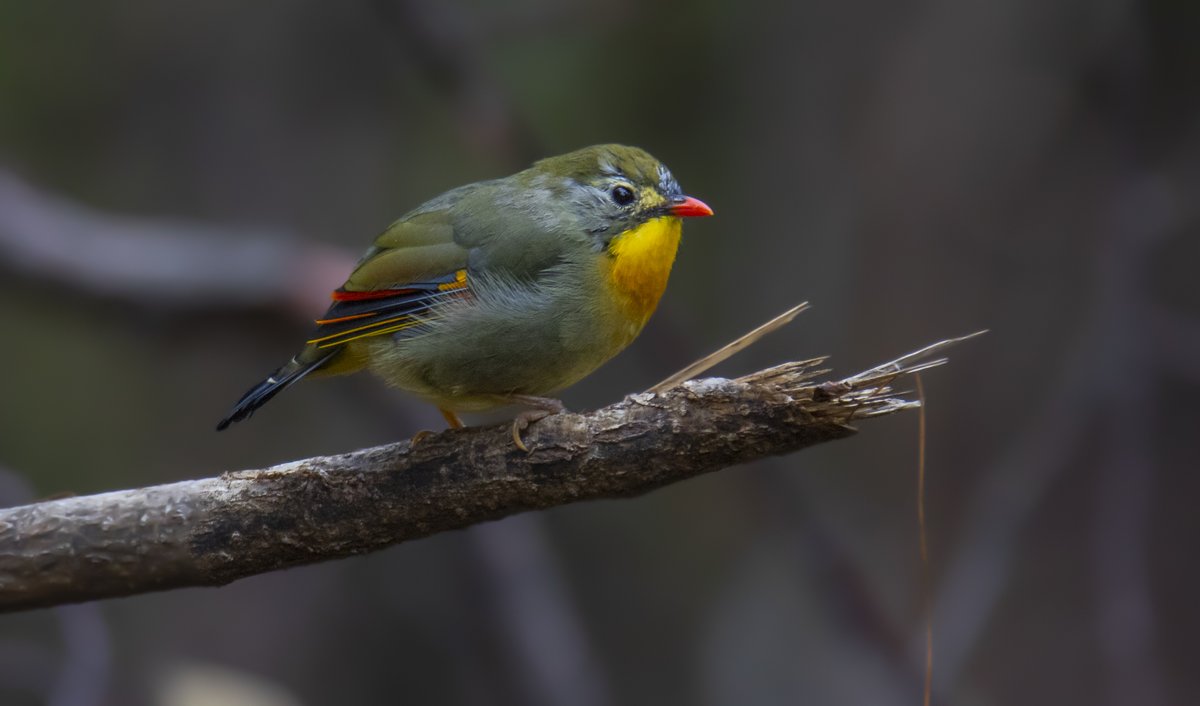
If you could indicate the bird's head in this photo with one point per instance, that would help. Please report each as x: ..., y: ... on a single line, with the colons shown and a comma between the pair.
x: 613, y: 189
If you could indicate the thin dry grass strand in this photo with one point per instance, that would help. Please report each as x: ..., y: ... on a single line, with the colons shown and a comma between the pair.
x: 905, y: 363
x: 729, y: 349
x: 923, y: 541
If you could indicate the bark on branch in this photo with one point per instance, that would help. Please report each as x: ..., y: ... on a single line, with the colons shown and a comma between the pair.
x: 213, y: 531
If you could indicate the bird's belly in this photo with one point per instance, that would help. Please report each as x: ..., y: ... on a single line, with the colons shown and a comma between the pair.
x: 472, y: 358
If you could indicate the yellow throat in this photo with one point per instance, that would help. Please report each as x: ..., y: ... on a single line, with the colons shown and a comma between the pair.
x: 640, y: 265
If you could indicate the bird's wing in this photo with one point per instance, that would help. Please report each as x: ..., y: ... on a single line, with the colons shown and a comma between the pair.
x: 430, y: 256
x: 413, y: 266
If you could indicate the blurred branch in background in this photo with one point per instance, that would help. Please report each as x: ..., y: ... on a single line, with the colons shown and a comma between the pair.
x: 161, y: 262
x: 84, y: 676
x: 213, y: 531
x: 552, y: 655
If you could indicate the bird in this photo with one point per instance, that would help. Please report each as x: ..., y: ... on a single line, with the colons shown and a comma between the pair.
x: 506, y: 291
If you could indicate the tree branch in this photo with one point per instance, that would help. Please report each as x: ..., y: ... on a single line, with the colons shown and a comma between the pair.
x: 216, y: 530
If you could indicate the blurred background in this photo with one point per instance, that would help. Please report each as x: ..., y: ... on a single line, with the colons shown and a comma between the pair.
x: 181, y: 184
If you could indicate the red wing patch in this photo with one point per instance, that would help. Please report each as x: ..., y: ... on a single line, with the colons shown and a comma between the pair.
x: 341, y: 295
x: 355, y: 315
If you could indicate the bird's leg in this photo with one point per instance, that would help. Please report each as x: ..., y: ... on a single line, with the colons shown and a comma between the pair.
x: 451, y: 418
x: 452, y: 421
x: 542, y: 407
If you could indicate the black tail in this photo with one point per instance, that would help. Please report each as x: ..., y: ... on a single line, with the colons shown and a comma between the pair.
x: 262, y: 393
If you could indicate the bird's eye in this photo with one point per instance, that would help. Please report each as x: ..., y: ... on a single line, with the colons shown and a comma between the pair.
x: 622, y: 195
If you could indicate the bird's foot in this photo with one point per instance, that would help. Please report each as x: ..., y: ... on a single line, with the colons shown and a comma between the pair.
x: 543, y: 407
x: 452, y: 421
